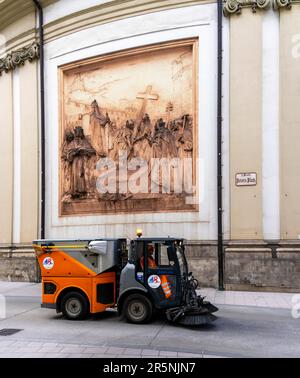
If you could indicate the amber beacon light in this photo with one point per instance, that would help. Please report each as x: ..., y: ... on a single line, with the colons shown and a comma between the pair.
x: 139, y: 232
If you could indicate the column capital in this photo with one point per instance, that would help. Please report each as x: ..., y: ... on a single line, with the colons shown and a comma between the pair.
x: 236, y: 6
x: 284, y: 4
x: 19, y: 57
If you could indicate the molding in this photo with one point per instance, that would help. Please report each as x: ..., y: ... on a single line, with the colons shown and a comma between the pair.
x: 19, y: 57
x: 18, y: 42
x: 13, y: 10
x: 109, y: 12
x: 235, y: 6
x: 284, y: 4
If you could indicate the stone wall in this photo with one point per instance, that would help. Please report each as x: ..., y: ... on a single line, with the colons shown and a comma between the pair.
x: 263, y: 268
x: 202, y: 259
x: 18, y: 265
x: 252, y: 267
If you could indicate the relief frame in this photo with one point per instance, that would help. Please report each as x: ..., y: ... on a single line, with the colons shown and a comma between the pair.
x: 143, y: 99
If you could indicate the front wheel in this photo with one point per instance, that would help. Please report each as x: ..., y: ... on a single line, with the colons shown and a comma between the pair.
x: 137, y: 309
x: 74, y: 306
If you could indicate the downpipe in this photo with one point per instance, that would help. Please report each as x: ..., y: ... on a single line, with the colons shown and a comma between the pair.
x: 42, y: 116
x: 219, y: 149
x: 39, y: 9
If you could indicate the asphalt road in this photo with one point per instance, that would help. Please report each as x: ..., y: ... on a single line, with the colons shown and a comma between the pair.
x: 239, y: 331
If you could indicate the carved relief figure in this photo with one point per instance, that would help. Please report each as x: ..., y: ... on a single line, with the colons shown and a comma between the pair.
x: 164, y: 142
x: 124, y: 140
x: 67, y: 167
x: 185, y: 137
x: 142, y: 144
x: 76, y: 153
x: 100, y: 124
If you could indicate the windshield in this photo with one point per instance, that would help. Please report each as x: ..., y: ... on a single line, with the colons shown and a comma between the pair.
x: 182, y: 261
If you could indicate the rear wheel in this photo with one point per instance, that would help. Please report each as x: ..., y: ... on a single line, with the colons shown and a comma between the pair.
x: 75, y: 306
x: 137, y: 309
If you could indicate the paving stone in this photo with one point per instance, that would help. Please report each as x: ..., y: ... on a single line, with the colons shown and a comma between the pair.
x: 150, y: 352
x: 31, y: 355
x: 166, y: 353
x: 55, y: 355
x: 104, y: 356
x: 132, y: 351
x: 56, y: 349
x: 6, y: 343
x: 212, y: 356
x: 95, y: 350
x: 79, y: 355
x: 129, y: 356
x: 189, y: 355
x: 72, y: 350
x: 49, y: 345
x: 115, y: 350
x: 35, y: 344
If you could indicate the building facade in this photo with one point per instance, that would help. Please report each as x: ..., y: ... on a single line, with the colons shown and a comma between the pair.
x: 147, y: 72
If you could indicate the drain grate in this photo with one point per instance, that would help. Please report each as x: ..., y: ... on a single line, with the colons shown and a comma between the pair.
x: 9, y: 331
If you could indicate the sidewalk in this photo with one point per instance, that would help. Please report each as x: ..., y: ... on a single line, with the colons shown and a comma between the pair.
x: 20, y: 349
x: 249, y: 298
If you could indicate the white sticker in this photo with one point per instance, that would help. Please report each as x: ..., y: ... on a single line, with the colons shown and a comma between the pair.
x: 48, y: 263
x: 154, y: 281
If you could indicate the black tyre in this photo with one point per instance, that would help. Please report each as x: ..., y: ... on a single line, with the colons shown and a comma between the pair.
x: 137, y: 309
x: 75, y: 306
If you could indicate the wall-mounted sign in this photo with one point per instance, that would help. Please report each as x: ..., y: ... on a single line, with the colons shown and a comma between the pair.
x: 246, y: 179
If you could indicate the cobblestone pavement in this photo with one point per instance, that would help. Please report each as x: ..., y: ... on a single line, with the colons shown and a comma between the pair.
x: 20, y: 349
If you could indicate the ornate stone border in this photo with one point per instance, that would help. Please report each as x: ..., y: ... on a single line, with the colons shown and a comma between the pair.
x: 19, y: 57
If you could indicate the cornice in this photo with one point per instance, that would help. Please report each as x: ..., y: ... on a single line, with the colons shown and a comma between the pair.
x: 19, y: 57
x: 108, y: 12
x: 231, y: 7
x: 13, y: 10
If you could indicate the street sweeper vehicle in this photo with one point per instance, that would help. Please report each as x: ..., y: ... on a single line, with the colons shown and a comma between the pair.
x: 142, y: 278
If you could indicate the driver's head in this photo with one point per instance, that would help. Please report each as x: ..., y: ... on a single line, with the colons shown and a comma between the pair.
x: 150, y: 250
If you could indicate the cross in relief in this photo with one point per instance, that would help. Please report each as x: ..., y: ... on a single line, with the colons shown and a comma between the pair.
x: 146, y: 96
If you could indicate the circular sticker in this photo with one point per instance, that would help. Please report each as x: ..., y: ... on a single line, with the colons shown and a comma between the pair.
x: 154, y: 281
x: 48, y: 263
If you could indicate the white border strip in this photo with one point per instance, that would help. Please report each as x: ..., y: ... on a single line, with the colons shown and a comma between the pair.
x: 226, y: 128
x: 270, y: 126
x: 16, y: 157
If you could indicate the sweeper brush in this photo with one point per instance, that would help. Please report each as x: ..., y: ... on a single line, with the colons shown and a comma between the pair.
x: 195, y: 311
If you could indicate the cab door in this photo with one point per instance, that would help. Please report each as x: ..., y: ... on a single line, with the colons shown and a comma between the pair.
x: 162, y: 277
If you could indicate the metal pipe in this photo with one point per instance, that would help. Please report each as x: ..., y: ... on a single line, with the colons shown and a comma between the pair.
x: 42, y: 100
x: 219, y: 149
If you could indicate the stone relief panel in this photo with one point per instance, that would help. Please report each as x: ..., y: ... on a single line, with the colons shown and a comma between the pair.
x: 128, y: 132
